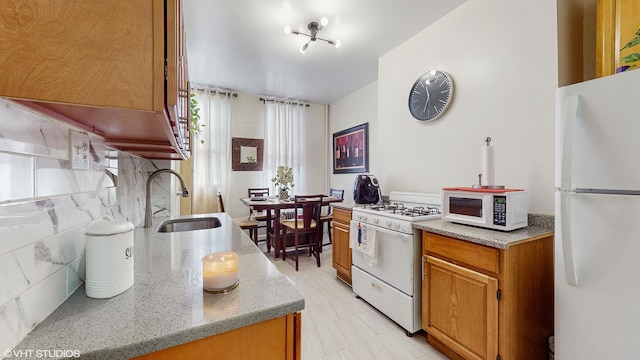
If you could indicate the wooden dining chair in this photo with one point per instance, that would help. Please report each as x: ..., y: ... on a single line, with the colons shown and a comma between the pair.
x: 244, y: 223
x: 328, y: 217
x: 303, y: 231
x: 262, y: 217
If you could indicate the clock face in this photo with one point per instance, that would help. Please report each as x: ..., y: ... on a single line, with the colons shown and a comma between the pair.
x: 430, y: 95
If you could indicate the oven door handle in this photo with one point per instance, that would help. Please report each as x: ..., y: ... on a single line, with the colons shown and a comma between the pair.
x: 403, y: 236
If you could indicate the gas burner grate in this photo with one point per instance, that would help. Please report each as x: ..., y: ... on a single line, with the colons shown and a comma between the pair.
x: 420, y: 211
x: 401, y: 209
x: 392, y: 208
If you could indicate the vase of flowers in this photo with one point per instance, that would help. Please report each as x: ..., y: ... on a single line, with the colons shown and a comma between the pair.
x: 283, y: 181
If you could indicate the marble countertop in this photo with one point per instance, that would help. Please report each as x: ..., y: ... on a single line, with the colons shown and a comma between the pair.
x: 539, y: 226
x: 166, y: 305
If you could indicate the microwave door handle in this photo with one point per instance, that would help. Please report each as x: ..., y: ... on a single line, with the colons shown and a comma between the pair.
x: 567, y: 242
x: 572, y: 108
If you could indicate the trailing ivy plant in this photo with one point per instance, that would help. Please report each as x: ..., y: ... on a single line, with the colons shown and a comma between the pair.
x: 196, y: 126
x: 631, y: 58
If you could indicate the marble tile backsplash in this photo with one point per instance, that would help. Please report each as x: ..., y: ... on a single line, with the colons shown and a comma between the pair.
x: 45, y: 207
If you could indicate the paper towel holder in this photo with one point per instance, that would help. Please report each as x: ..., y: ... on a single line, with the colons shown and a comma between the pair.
x: 479, y: 184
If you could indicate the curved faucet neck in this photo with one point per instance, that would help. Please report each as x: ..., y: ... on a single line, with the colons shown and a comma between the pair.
x: 147, y: 211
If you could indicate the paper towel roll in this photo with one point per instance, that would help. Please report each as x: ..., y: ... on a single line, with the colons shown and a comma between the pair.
x: 487, y: 165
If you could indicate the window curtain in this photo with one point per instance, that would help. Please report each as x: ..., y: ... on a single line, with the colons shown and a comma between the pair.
x: 283, y: 143
x: 212, y: 157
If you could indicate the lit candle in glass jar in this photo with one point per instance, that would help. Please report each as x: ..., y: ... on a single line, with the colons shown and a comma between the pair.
x: 219, y: 271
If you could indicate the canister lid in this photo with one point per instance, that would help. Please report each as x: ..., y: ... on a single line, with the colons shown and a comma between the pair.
x: 103, y: 228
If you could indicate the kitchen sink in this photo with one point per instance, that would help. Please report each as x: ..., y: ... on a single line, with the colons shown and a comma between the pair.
x: 189, y: 224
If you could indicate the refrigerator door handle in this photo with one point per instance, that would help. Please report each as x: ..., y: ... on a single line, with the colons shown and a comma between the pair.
x: 607, y: 191
x: 572, y: 106
x: 567, y: 243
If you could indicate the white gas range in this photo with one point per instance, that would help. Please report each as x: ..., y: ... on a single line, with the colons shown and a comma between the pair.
x: 391, y: 280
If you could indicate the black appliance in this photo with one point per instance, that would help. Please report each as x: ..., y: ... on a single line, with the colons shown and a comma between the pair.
x: 366, y: 189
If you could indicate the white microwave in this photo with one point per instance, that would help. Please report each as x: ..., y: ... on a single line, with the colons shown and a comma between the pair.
x: 499, y: 209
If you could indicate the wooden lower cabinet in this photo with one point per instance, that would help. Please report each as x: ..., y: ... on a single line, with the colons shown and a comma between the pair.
x: 277, y: 338
x: 340, y: 250
x: 480, y: 302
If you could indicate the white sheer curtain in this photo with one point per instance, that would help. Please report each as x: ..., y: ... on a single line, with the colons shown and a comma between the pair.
x: 283, y: 143
x: 211, y: 159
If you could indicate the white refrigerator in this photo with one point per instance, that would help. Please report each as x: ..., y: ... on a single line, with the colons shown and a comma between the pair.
x: 597, y: 208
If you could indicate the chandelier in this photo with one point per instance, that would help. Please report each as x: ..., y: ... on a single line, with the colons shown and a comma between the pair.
x: 313, y: 27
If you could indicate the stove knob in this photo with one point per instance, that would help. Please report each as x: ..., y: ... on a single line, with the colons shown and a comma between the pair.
x: 375, y: 220
x: 388, y: 222
x: 396, y: 224
x: 364, y: 217
x: 358, y: 216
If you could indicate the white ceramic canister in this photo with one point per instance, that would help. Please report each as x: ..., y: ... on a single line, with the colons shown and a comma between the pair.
x: 109, y: 258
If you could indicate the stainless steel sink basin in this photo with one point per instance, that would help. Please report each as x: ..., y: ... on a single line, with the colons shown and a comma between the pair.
x: 189, y: 224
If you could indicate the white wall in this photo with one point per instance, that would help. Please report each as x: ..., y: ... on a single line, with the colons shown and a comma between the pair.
x: 503, y: 59
x: 248, y: 122
x: 316, y: 145
x: 357, y: 108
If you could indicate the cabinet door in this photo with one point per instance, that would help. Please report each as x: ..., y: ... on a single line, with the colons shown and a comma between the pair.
x: 460, y: 308
x: 177, y: 85
x: 341, y: 253
x: 617, y: 23
x: 82, y: 52
x: 275, y: 339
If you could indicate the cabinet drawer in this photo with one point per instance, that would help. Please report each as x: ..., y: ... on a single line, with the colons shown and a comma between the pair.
x: 340, y: 215
x: 479, y: 256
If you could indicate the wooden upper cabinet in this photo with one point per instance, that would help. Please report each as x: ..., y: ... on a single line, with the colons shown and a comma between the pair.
x: 102, y: 66
x: 617, y: 22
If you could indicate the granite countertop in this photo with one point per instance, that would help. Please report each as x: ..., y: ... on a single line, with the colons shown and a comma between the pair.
x: 345, y: 206
x: 166, y: 305
x: 539, y: 226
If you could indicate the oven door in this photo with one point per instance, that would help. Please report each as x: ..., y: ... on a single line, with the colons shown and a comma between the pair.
x: 394, y: 258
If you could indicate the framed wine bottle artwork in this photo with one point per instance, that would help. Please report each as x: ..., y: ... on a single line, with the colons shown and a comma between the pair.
x: 351, y: 150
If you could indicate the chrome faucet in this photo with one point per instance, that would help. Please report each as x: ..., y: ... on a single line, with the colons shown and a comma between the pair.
x: 147, y: 210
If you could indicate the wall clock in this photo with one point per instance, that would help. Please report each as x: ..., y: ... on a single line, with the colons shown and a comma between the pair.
x: 431, y: 95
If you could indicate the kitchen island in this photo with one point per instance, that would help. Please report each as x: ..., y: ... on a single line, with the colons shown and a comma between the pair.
x: 166, y: 306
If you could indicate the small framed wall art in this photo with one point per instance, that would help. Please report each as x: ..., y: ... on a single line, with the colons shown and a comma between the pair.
x: 351, y: 150
x: 246, y: 154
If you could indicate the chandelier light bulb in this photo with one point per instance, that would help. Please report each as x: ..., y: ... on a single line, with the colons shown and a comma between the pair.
x: 314, y: 28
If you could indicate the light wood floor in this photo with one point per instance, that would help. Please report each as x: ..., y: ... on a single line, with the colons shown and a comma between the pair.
x: 336, y: 325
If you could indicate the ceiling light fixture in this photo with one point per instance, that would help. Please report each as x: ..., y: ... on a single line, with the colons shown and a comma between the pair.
x: 313, y: 27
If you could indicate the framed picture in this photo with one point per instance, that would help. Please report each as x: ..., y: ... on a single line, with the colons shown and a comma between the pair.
x: 351, y: 150
x: 246, y: 154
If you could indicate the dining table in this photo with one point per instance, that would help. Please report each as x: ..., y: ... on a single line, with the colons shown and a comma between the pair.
x: 273, y: 206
